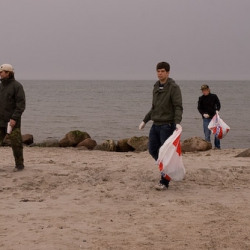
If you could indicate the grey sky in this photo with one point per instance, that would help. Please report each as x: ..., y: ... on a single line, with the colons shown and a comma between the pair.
x: 117, y: 39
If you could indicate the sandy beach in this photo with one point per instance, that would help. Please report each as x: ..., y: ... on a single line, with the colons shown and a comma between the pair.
x: 68, y: 198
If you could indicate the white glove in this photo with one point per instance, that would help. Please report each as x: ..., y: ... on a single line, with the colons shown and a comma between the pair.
x: 142, y: 125
x: 206, y: 115
x: 178, y: 126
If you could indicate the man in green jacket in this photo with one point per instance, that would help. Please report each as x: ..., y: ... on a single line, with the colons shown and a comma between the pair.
x: 12, y: 105
x: 166, y: 113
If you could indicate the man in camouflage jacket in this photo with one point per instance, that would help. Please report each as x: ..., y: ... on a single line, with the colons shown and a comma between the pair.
x: 12, y: 105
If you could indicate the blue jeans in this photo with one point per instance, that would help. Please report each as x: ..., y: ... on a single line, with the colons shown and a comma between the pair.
x: 207, y: 133
x: 157, y: 136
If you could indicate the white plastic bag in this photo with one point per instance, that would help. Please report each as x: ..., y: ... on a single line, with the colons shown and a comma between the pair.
x: 218, y: 127
x: 170, y: 158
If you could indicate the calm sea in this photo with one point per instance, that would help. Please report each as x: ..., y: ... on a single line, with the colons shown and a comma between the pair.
x: 114, y: 109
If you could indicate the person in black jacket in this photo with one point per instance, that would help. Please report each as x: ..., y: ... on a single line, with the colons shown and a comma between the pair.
x: 208, y: 104
x: 12, y: 105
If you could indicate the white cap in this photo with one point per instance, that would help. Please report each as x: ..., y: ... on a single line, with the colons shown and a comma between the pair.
x: 6, y: 67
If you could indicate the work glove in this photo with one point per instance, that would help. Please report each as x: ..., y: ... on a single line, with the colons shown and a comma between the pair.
x: 178, y: 126
x: 206, y: 115
x: 142, y: 125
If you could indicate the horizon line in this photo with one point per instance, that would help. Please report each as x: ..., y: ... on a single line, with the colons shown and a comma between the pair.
x: 80, y: 79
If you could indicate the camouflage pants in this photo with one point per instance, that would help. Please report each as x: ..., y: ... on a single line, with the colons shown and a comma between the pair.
x: 16, y: 143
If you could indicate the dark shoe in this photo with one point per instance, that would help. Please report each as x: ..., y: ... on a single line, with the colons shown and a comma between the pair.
x: 164, y: 181
x: 18, y: 168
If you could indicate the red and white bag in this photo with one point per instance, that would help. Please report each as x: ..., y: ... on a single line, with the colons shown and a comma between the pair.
x: 218, y: 127
x: 170, y: 158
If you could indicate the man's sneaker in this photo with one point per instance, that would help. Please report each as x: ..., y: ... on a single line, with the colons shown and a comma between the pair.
x: 160, y: 187
x: 18, y: 168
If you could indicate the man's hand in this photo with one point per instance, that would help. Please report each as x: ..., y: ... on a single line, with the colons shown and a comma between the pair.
x: 12, y: 123
x: 178, y: 126
x: 206, y: 115
x: 142, y: 125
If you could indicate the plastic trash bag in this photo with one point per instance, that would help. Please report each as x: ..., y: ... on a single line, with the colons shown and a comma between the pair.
x: 218, y: 127
x: 170, y: 158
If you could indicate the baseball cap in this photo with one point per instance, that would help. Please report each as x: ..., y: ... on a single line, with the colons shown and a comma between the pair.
x: 204, y: 87
x: 6, y: 67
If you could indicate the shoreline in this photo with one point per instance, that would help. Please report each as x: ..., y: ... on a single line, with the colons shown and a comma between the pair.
x: 75, y: 199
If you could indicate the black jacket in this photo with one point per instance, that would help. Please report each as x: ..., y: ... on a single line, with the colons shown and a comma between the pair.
x: 208, y: 104
x: 12, y: 101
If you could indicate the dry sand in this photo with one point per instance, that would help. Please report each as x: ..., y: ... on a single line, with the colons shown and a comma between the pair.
x: 73, y: 199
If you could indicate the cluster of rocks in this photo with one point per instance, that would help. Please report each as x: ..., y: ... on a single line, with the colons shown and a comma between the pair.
x: 83, y: 141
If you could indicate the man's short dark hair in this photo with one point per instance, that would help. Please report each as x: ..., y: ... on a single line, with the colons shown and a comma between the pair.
x: 163, y: 65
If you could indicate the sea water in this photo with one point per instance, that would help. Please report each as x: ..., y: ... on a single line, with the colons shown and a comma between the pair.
x: 114, y: 109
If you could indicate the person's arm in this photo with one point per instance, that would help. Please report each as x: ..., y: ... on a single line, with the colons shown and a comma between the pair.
x: 145, y: 120
x: 147, y: 117
x: 217, y: 103
x: 177, y: 103
x: 20, y: 103
x: 202, y: 112
x: 200, y: 109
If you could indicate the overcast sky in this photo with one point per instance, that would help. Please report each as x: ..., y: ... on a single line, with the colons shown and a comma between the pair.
x: 125, y: 39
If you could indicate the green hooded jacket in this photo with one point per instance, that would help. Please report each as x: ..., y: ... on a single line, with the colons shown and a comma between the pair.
x: 166, y: 104
x: 12, y: 101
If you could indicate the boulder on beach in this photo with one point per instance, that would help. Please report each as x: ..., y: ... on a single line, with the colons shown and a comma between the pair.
x: 72, y: 138
x: 123, y: 146
x: 139, y: 143
x: 27, y: 139
x: 88, y: 143
x: 81, y: 148
x: 195, y: 144
x: 108, y: 145
x: 245, y: 153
